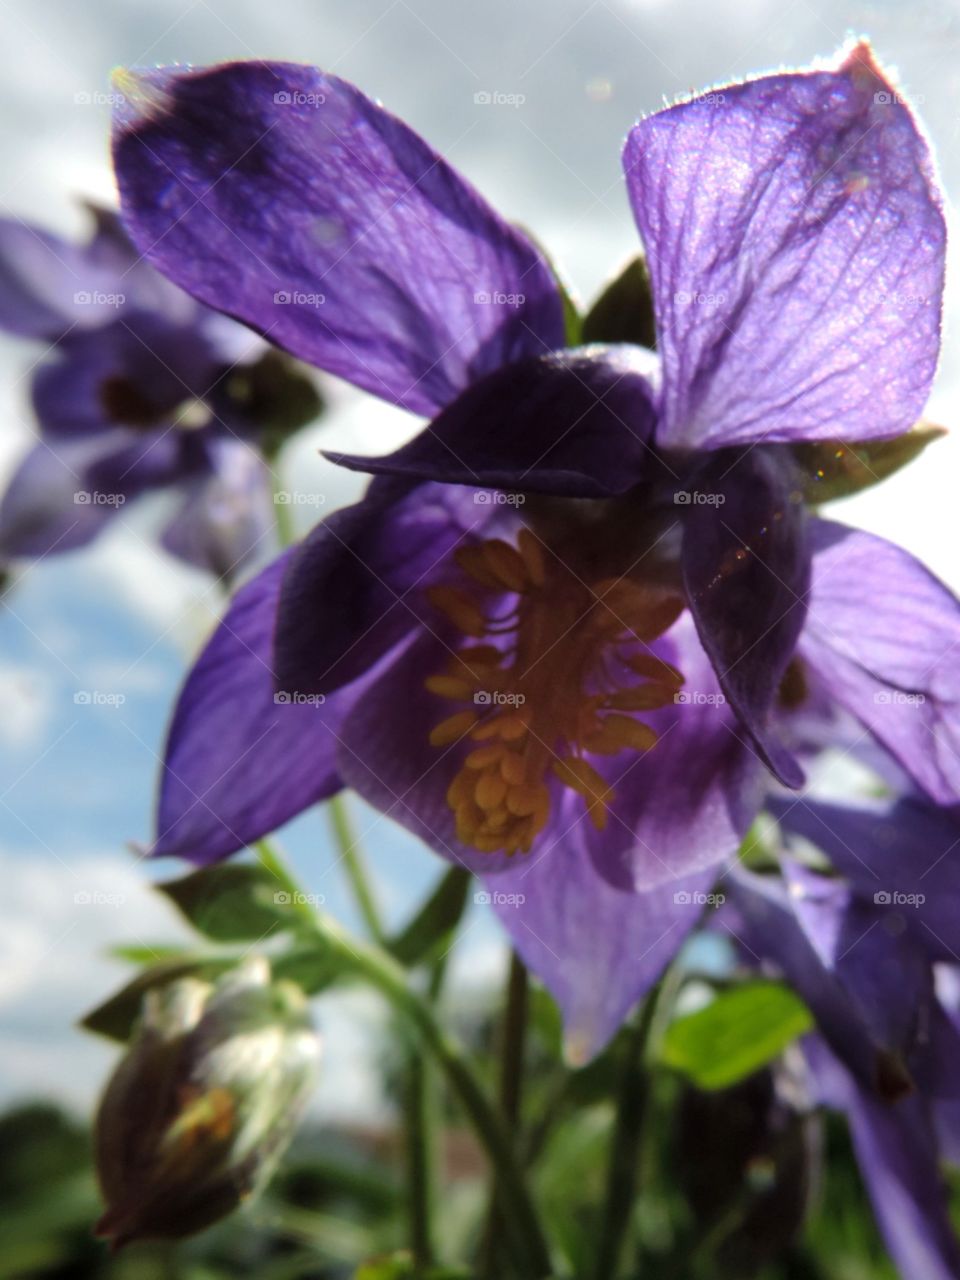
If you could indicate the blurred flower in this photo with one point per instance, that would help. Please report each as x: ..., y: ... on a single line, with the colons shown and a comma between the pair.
x: 874, y: 955
x: 204, y: 1103
x: 141, y: 388
x: 599, y: 559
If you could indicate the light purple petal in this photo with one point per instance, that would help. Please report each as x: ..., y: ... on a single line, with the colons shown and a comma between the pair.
x: 226, y: 518
x: 746, y: 568
x: 48, y: 506
x: 598, y: 950
x: 795, y: 239
x: 288, y: 199
x: 883, y: 635
x: 238, y: 762
x: 357, y: 585
x: 579, y: 424
x: 686, y: 804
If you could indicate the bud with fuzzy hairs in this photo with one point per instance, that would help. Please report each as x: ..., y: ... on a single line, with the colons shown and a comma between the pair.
x: 204, y: 1103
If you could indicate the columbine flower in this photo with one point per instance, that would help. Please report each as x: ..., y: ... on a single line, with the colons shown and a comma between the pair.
x: 562, y: 621
x: 874, y: 955
x: 204, y: 1103
x: 141, y: 388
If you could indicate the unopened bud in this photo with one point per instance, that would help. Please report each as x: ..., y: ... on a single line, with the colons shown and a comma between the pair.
x: 204, y: 1103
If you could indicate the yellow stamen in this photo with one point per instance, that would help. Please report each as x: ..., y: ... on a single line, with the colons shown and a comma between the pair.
x: 544, y: 693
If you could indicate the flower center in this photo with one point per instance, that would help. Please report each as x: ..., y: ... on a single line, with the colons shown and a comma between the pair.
x: 561, y: 673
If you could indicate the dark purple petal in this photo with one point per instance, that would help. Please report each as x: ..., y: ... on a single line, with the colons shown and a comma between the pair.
x: 357, y: 585
x: 746, y: 569
x: 796, y: 245
x: 227, y: 516
x: 883, y: 635
x: 288, y: 199
x: 48, y: 506
x: 573, y: 423
x: 597, y: 949
x: 902, y: 855
x: 896, y: 1150
x: 686, y: 804
x: 240, y: 761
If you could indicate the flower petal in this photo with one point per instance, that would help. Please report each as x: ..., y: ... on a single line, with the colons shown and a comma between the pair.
x: 903, y: 854
x: 746, y: 570
x: 686, y: 804
x: 46, y: 507
x: 357, y: 585
x: 796, y: 245
x: 288, y: 199
x: 896, y: 1150
x: 579, y: 423
x: 227, y: 516
x: 597, y: 949
x: 238, y: 762
x: 883, y: 635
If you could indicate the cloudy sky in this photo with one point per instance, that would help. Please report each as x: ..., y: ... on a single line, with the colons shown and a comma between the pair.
x: 567, y: 80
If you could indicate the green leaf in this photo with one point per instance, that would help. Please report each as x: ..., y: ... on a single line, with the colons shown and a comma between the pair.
x: 832, y: 469
x: 624, y: 310
x: 235, y: 902
x: 430, y: 929
x: 116, y: 1017
x: 741, y: 1030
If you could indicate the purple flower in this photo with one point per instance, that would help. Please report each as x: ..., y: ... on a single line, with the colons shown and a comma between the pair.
x: 141, y: 388
x: 875, y: 955
x: 575, y: 614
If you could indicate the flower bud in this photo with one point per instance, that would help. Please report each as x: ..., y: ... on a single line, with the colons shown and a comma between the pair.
x: 204, y: 1103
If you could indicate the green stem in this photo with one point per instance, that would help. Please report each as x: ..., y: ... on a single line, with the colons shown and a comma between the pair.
x: 512, y: 1044
x: 282, y: 510
x: 354, y: 863
x: 419, y: 1127
x: 515, y: 1205
x: 625, y: 1148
